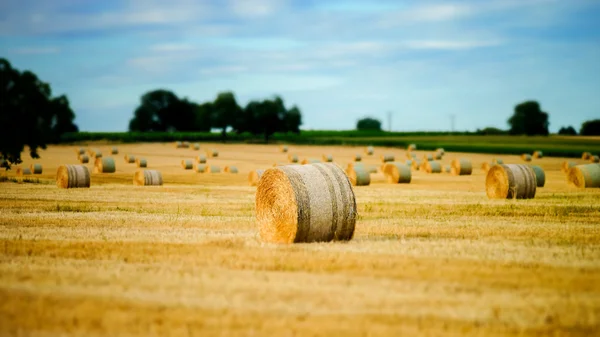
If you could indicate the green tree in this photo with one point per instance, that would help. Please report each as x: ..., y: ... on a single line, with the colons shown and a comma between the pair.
x: 203, y: 117
x: 529, y: 119
x: 568, y: 131
x: 590, y: 128
x: 368, y: 123
x: 293, y: 120
x: 162, y: 110
x: 29, y: 115
x: 225, y: 111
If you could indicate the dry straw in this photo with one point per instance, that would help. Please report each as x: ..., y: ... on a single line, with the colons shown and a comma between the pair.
x: 512, y: 181
x: 36, y: 168
x: 387, y: 158
x: 308, y: 203
x: 433, y: 167
x: 283, y: 148
x: 538, y: 154
x: 254, y: 177
x: 292, y: 158
x: 369, y: 150
x: 485, y: 166
x: 114, y: 150
x: 566, y: 165
x: 586, y: 156
x: 540, y: 175
x: 230, y: 169
x: 526, y: 157
x: 357, y: 157
x: 187, y: 164
x: 585, y: 176
x: 358, y: 175
x: 408, y: 162
x: 129, y: 159
x: 397, y: 173
x: 23, y: 171
x: 327, y: 158
x: 84, y: 159
x: 310, y: 161
x: 200, y: 159
x: 147, y: 178
x: 141, y: 162
x: 73, y: 176
x: 104, y: 165
x: 212, y: 153
x: 594, y: 159
x: 461, y: 167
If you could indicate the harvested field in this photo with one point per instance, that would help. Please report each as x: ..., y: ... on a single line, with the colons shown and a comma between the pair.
x: 432, y: 257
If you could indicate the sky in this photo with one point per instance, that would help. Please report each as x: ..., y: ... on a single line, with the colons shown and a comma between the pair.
x: 337, y: 60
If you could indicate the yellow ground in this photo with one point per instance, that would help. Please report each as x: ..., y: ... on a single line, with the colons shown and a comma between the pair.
x: 435, y: 257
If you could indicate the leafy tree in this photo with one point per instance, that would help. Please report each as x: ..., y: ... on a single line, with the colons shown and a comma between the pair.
x: 293, y: 120
x: 491, y: 131
x: 368, y: 123
x: 162, y: 110
x: 225, y: 111
x: 203, y: 117
x: 568, y: 131
x: 29, y: 115
x: 590, y: 128
x: 529, y: 119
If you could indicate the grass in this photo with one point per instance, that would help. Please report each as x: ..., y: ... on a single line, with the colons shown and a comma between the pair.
x: 434, y: 257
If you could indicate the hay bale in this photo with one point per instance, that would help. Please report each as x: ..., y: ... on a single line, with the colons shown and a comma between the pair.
x: 397, y: 173
x: 254, y: 177
x: 526, y: 157
x: 327, y: 158
x: 36, y: 168
x: 129, y: 159
x: 585, y: 176
x: 95, y: 153
x: 411, y: 147
x: 586, y: 156
x: 438, y: 155
x: 357, y: 157
x: 230, y: 169
x: 566, y: 165
x: 415, y: 164
x: 540, y: 175
x: 440, y: 150
x: 23, y: 171
x: 73, y: 176
x: 447, y: 169
x: 368, y: 168
x: 385, y: 158
x: 84, y: 159
x: 212, y: 169
x: 212, y: 153
x: 461, y: 167
x: 594, y: 159
x: 187, y: 164
x: 196, y: 146
x: 185, y: 145
x: 485, y: 166
x: 433, y: 167
x: 308, y: 203
x: 147, y: 178
x: 292, y: 158
x: 200, y: 168
x: 310, y: 161
x: 201, y: 159
x: 141, y: 162
x: 114, y: 150
x: 178, y: 145
x: 283, y: 148
x: 510, y: 181
x: 369, y: 150
x: 538, y: 154
x: 427, y: 157
x: 80, y: 151
x: 104, y: 165
x: 358, y: 175
x: 497, y: 161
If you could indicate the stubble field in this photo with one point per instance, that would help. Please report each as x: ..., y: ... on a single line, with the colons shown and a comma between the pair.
x: 434, y: 257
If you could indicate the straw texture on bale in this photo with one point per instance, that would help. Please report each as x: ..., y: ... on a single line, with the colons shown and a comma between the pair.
x: 201, y: 159
x: 358, y: 176
x: 397, y: 173
x: 327, y: 158
x: 187, y: 164
x: 230, y: 169
x: 566, y: 165
x: 526, y: 157
x: 254, y: 177
x: 595, y: 159
x: 308, y: 203
x: 586, y: 156
x: 411, y: 147
x: 540, y: 175
x: 196, y: 146
x: 461, y: 167
x: 585, y: 176
x: 36, y: 168
x: 292, y: 158
x: 283, y: 148
x: 416, y: 164
x: 104, y: 165
x: 73, y: 176
x: 84, y: 159
x: 114, y: 150
x: 212, y: 153
x: 387, y: 158
x: 538, y: 154
x: 310, y: 161
x: 141, y: 162
x: 147, y: 178
x: 433, y: 167
x: 511, y: 181
x: 357, y: 157
x: 427, y: 157
x: 369, y: 150
x: 23, y: 171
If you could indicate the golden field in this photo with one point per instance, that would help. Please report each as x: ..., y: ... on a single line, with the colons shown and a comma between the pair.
x: 434, y: 257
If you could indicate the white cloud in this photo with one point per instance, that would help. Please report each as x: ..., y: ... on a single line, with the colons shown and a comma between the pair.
x: 255, y: 8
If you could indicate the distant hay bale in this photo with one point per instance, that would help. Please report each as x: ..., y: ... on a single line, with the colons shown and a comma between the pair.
x: 200, y: 168
x: 447, y: 168
x: 369, y: 150
x: 440, y: 150
x: 73, y: 176
x: 594, y: 159
x: 540, y: 175
x: 427, y: 157
x: 485, y: 166
x: 358, y: 175
x: 36, y: 168
x: 283, y: 148
x: 433, y: 167
x: 307, y: 203
x: 23, y: 171
x: 84, y: 159
x: 200, y: 159
x: 310, y: 161
x: 461, y: 167
x: 411, y: 147
x: 387, y: 158
x: 292, y: 158
x: 95, y: 153
x: 497, y: 161
x: 230, y: 169
x: 212, y: 153
x: 327, y: 158
x: 526, y: 157
x: 254, y: 177
x: 538, y: 154
x: 187, y: 164
x: 416, y: 164
x: 129, y: 159
x: 566, y: 165
x: 185, y: 145
x: 511, y: 181
x: 585, y: 176
x: 104, y: 165
x: 357, y: 157
x: 147, y: 178
x: 141, y: 162
x: 438, y: 155
x: 397, y: 173
x: 196, y: 146
x: 178, y: 145
x: 212, y: 169
x: 368, y: 168
x: 586, y: 156
x: 114, y: 150
x: 80, y: 151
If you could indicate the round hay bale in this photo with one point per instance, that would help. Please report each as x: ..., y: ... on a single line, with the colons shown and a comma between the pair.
x: 438, y: 155
x: 23, y: 171
x: 369, y: 150
x: 485, y: 166
x: 200, y: 159
x: 497, y: 161
x: 441, y: 151
x: 36, y: 168
x: 178, y: 145
x: 185, y: 145
x: 254, y: 177
x: 447, y: 169
x: 566, y: 165
x: 114, y: 150
x: 212, y: 169
x: 187, y: 164
x: 586, y: 156
x: 230, y: 169
x: 310, y: 161
x: 510, y: 181
x: 526, y: 157
x: 357, y: 157
x: 538, y: 154
x: 292, y: 158
x: 411, y: 147
x: 427, y: 157
x: 95, y: 153
x: 200, y: 168
x: 84, y: 159
x: 129, y: 159
x: 594, y: 159
x: 308, y: 203
x: 147, y: 178
x: 415, y: 164
x: 585, y: 176
x: 327, y: 158
x: 433, y: 167
x: 73, y: 176
x: 141, y: 162
x: 540, y: 175
x: 385, y: 158
x: 104, y: 165
x: 461, y: 167
x: 358, y: 176
x: 283, y: 148
x: 212, y: 153
x: 80, y: 151
x: 196, y: 146
x: 368, y: 168
x: 397, y: 173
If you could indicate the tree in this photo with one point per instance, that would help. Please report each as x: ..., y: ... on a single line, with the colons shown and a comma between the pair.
x: 491, y: 131
x: 293, y: 120
x: 568, y: 131
x: 29, y: 115
x: 590, y: 128
x: 162, y: 110
x: 225, y: 111
x: 368, y: 123
x: 203, y: 117
x: 528, y: 119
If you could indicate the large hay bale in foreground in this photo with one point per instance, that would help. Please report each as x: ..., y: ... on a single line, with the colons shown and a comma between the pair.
x: 357, y: 157
x: 306, y: 161
x: 23, y: 171
x: 73, y: 176
x: 358, y: 175
x: 433, y: 167
x: 526, y: 157
x: 512, y: 181
x: 212, y: 153
x: 538, y: 154
x: 585, y: 176
x: 387, y: 158
x: 566, y: 165
x: 141, y: 162
x: 594, y: 159
x: 307, y: 203
x: 292, y: 158
x: 84, y: 159
x: 327, y: 158
x: 369, y: 150
x: 540, y: 175
x: 283, y: 148
x: 461, y: 167
x: 187, y: 164
x: 114, y: 150
x: 230, y: 169
x: 36, y: 168
x: 129, y: 159
x: 586, y: 156
x: 397, y: 173
x: 254, y: 177
x: 104, y: 165
x: 147, y: 178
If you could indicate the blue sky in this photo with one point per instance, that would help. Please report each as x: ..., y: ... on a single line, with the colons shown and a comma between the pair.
x: 337, y: 60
